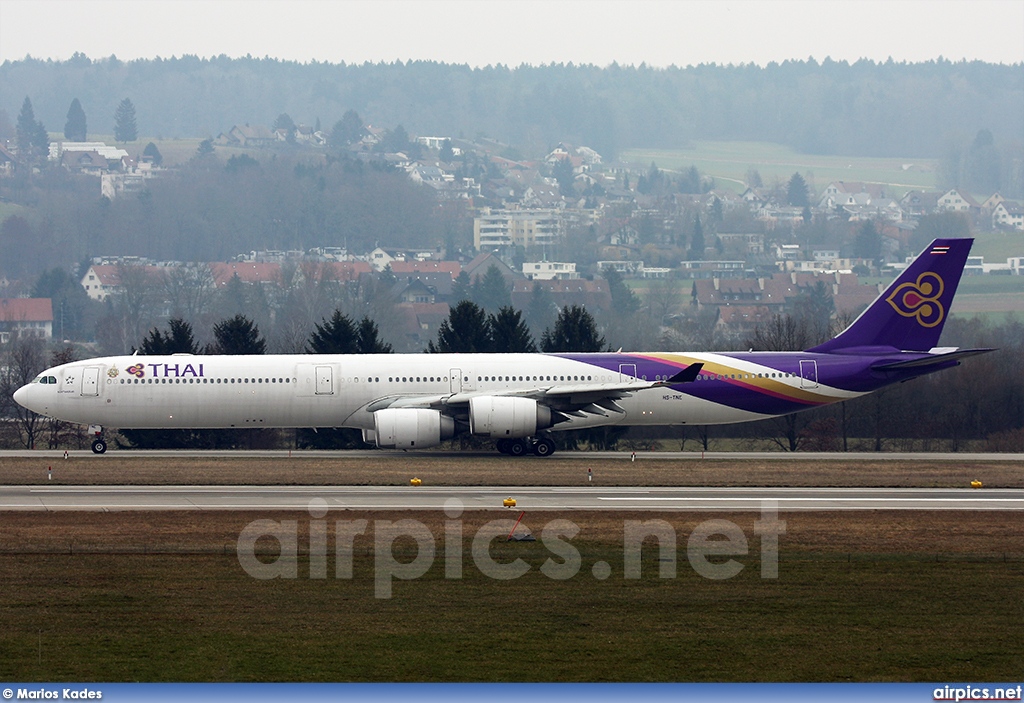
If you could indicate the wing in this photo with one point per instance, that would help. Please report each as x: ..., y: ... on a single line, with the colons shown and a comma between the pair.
x: 568, y: 399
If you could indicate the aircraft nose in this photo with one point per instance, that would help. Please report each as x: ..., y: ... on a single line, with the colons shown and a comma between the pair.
x: 21, y: 396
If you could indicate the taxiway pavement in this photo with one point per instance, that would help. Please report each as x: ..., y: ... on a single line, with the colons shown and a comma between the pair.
x: 375, y: 498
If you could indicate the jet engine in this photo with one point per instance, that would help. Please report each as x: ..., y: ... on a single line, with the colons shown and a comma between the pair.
x: 500, y: 417
x: 411, y: 428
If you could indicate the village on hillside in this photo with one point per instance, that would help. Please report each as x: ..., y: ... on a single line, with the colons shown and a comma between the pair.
x: 737, y: 254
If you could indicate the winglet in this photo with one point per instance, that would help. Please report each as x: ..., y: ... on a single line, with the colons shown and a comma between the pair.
x: 687, y: 375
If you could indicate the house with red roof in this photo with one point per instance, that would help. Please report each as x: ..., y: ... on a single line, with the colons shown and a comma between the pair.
x: 25, y: 318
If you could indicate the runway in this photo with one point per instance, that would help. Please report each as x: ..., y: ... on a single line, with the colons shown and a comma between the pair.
x: 374, y: 498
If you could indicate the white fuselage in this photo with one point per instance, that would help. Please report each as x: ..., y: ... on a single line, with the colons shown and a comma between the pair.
x: 200, y: 392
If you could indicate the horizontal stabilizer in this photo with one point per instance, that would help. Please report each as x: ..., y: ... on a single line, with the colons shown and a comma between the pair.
x: 931, y: 360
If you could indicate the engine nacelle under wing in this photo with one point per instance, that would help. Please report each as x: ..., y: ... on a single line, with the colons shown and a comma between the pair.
x: 501, y: 417
x: 411, y: 428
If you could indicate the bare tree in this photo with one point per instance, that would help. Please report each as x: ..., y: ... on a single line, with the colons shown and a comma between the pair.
x: 783, y: 333
x: 23, y: 360
x: 664, y: 298
x: 190, y: 290
x: 136, y: 303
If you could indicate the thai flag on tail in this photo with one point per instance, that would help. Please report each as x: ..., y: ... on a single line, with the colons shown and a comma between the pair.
x: 939, y: 250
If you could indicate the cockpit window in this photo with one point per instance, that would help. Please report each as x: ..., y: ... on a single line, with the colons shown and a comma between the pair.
x: 45, y: 380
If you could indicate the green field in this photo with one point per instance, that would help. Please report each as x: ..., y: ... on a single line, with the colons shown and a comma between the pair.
x: 728, y: 163
x: 174, y: 151
x: 997, y: 247
x: 860, y: 617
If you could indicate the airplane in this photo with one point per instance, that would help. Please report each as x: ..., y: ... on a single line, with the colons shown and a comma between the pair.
x: 417, y: 401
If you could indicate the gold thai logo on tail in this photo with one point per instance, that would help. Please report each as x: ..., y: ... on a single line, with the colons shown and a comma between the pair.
x: 920, y: 299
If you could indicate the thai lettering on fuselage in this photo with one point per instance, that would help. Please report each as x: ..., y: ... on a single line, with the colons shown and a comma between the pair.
x: 176, y: 370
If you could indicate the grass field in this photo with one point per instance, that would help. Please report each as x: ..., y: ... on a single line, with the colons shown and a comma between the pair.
x: 997, y: 247
x: 861, y: 596
x: 162, y: 596
x: 567, y: 469
x: 728, y: 163
x: 174, y: 151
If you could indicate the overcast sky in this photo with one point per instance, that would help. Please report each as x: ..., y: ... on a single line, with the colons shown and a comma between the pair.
x: 482, y: 32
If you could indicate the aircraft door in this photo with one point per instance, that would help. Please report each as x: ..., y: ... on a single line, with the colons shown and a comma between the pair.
x: 324, y: 380
x: 627, y: 372
x: 455, y: 380
x: 91, y: 381
x: 808, y: 373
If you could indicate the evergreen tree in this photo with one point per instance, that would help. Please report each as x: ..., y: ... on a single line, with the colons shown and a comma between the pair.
x: 285, y: 123
x: 624, y: 301
x: 153, y: 153
x: 493, y: 292
x: 868, y: 244
x: 466, y: 330
x: 70, y: 301
x: 125, y: 129
x: 74, y: 128
x: 982, y: 169
x: 348, y: 130
x: 205, y: 148
x: 32, y: 138
x: 563, y: 173
x: 396, y: 140
x: 368, y: 339
x: 447, y: 153
x: 25, y: 128
x: 177, y: 340
x: 696, y: 252
x: 238, y: 336
x: 717, y: 213
x: 462, y: 288
x: 797, y: 192
x: 334, y: 336
x: 541, y: 310
x: 509, y: 333
x: 574, y: 331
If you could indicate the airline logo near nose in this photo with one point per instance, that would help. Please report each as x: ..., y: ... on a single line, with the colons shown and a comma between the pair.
x: 920, y: 300
x: 164, y: 371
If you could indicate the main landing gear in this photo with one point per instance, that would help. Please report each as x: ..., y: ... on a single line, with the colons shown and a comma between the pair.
x: 541, y: 446
x: 99, y: 445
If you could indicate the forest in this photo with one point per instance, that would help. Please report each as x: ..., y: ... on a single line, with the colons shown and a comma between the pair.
x: 829, y: 107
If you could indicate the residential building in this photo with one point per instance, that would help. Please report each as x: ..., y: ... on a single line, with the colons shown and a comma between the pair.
x: 955, y: 201
x: 497, y: 229
x: 25, y: 318
x: 1008, y: 215
x: 549, y: 270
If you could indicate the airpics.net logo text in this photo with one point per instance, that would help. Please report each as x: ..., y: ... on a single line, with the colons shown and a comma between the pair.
x: 710, y: 548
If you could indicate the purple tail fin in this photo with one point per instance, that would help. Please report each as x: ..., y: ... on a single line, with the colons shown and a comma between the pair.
x: 910, y: 313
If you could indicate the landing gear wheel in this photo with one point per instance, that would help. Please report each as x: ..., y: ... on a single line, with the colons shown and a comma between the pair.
x: 544, y: 447
x: 99, y: 446
x: 517, y: 447
x: 503, y: 445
